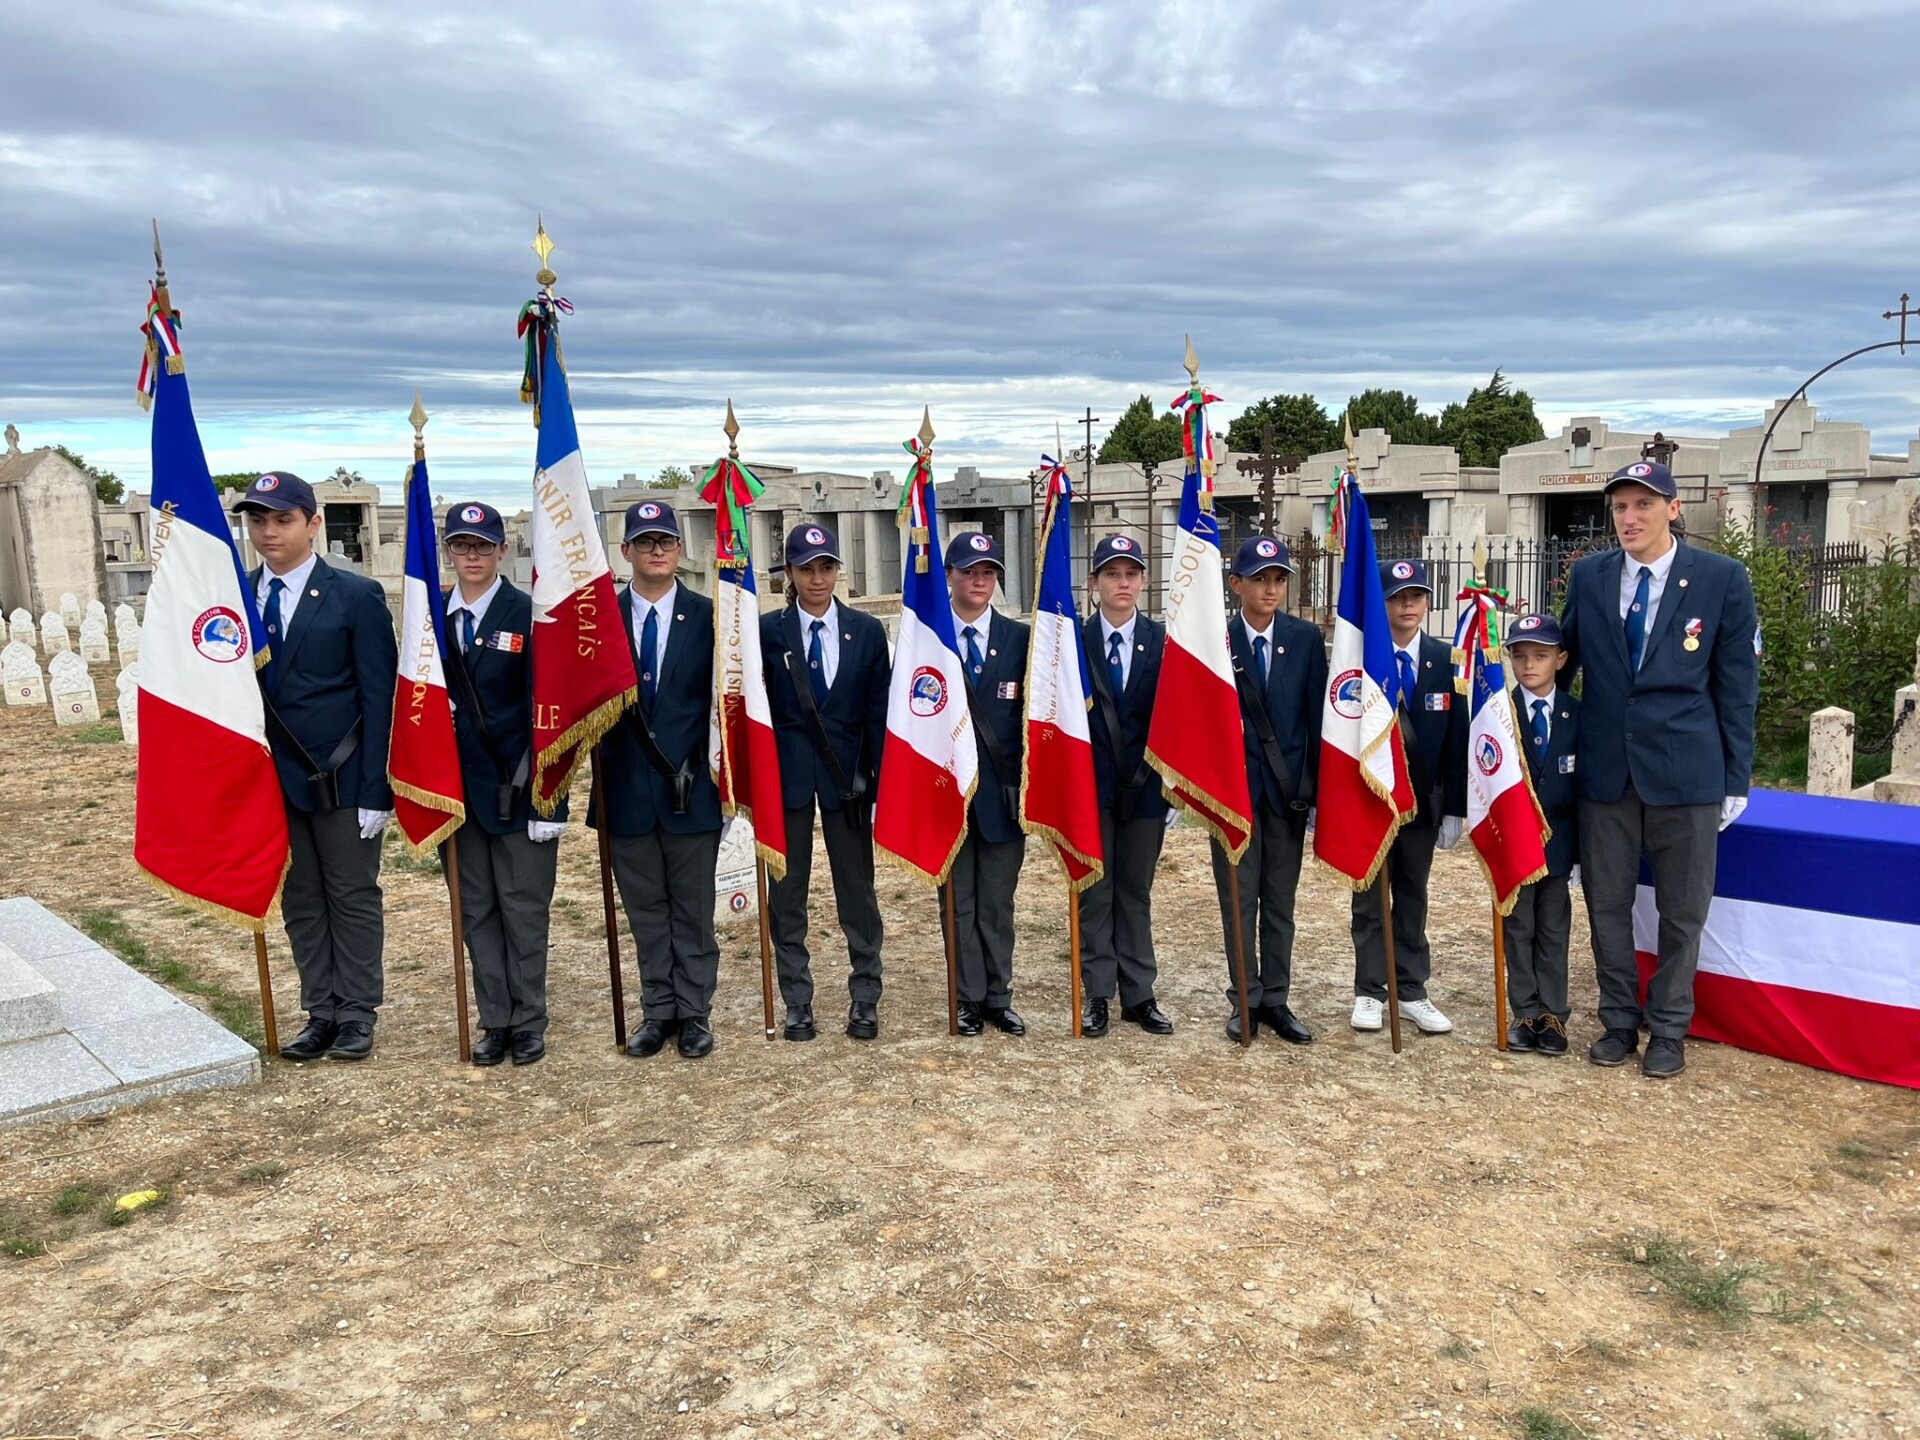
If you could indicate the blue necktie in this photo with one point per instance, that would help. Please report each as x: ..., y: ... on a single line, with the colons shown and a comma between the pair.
x: 1409, y: 682
x: 974, y: 662
x: 1637, y: 618
x: 1540, y: 726
x: 649, y: 638
x: 467, y: 634
x: 276, y: 587
x: 816, y: 666
x: 1260, y: 659
x: 1116, y: 672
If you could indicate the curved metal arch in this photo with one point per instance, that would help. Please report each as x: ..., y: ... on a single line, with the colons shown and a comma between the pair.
x: 1779, y: 414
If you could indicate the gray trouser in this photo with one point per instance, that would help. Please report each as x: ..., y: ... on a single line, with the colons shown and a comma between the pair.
x: 1682, y: 843
x: 331, y: 908
x: 1537, y: 933
x: 1116, y: 912
x: 850, y: 861
x: 984, y: 876
x: 506, y: 896
x: 1269, y: 878
x: 667, y: 885
x: 1409, y: 863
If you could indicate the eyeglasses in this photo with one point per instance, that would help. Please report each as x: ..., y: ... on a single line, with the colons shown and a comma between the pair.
x: 652, y: 544
x: 471, y: 547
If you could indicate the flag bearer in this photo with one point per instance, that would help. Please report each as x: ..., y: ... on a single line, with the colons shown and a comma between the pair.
x: 1116, y: 912
x: 508, y: 855
x: 1280, y: 671
x: 993, y: 650
x: 827, y: 678
x: 328, y: 683
x: 662, y: 809
x: 1435, y: 731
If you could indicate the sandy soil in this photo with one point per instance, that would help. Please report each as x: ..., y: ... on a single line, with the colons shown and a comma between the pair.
x: 930, y: 1236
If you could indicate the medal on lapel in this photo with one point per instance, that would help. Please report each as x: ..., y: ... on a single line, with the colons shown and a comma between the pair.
x: 1692, y: 642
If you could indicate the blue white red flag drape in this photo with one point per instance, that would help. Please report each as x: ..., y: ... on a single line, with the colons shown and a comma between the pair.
x: 423, y: 758
x: 1504, y: 820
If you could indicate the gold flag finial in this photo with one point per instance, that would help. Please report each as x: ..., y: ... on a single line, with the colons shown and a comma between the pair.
x: 1480, y: 560
x: 732, y: 427
x: 417, y: 417
x: 926, y: 425
x: 1192, y: 363
x: 543, y: 247
x: 1346, y: 425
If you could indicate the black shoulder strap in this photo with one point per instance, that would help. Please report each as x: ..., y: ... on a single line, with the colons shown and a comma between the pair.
x: 803, y: 688
x: 996, y: 753
x: 456, y: 664
x: 1254, y: 710
x: 348, y: 742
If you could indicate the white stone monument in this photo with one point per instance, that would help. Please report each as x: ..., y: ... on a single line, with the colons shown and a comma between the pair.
x: 20, y: 672
x: 20, y: 627
x: 1830, y: 752
x: 75, y: 701
x: 736, y: 893
x: 94, y: 648
x: 70, y: 612
x: 129, y: 686
x: 127, y: 636
x: 53, y: 634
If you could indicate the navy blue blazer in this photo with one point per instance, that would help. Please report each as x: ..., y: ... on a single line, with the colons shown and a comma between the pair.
x: 638, y: 796
x: 1439, y: 719
x: 854, y: 717
x: 1133, y: 709
x: 1555, y: 781
x: 1295, y: 694
x: 500, y: 667
x: 1001, y: 709
x: 1682, y: 728
x: 338, y: 664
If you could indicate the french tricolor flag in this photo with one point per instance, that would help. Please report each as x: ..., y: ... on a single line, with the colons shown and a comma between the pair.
x: 209, y: 825
x: 1812, y: 944
x: 1366, y: 791
x: 423, y: 758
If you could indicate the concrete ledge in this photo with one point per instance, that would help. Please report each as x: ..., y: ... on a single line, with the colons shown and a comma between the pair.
x: 29, y: 1005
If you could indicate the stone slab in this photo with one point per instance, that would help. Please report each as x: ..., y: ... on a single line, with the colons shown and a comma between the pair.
x: 52, y: 1071
x: 29, y: 1005
x: 174, y: 1044
x: 35, y: 933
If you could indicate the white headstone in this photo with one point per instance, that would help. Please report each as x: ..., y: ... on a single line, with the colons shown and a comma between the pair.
x: 70, y: 610
x: 75, y: 701
x: 94, y: 648
x: 736, y: 892
x: 95, y: 611
x: 20, y: 672
x: 129, y: 686
x: 53, y: 633
x: 128, y: 638
x: 123, y: 616
x: 20, y: 627
x: 1830, y: 752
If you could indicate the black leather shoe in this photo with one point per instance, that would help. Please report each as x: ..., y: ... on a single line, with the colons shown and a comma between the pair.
x: 1664, y: 1059
x: 1148, y: 1016
x: 1093, y: 1019
x: 1003, y: 1019
x: 968, y: 1020
x: 1615, y: 1047
x: 492, y: 1047
x: 352, y: 1041
x: 1233, y: 1024
x: 799, y: 1022
x: 696, y: 1039
x: 528, y: 1046
x: 650, y: 1039
x: 1520, y: 1033
x: 311, y: 1043
x: 1284, y: 1023
x: 1550, y: 1035
x: 863, y: 1020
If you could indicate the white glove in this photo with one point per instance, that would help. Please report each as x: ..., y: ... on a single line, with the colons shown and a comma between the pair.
x: 1313, y: 818
x: 1731, y: 809
x: 372, y: 822
x: 542, y: 831
x: 1573, y: 877
x: 1172, y: 816
x: 1450, y: 828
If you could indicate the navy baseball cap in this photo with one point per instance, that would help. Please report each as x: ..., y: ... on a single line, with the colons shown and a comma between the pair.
x: 974, y: 548
x: 1116, y: 547
x: 1398, y: 575
x: 1535, y: 630
x: 1650, y: 473
x: 650, y: 517
x: 812, y: 542
x: 1260, y: 553
x: 482, y: 522
x: 278, y: 490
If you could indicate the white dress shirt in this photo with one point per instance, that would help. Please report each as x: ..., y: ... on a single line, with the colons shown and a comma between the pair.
x: 1528, y: 700
x: 1266, y: 635
x: 643, y: 607
x: 1125, y: 632
x: 1656, y: 584
x: 476, y: 608
x: 296, y: 583
x: 829, y: 639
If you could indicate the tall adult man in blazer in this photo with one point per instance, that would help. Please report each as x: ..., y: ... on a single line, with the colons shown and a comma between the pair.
x: 1668, y: 641
x: 1434, y: 727
x: 328, y: 683
x: 508, y: 855
x: 827, y: 675
x: 993, y: 651
x: 662, y: 808
x: 1123, y: 649
x: 1280, y: 671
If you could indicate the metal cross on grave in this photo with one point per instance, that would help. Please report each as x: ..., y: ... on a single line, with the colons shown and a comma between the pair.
x: 1903, y: 314
x: 1659, y: 448
x: 1268, y: 467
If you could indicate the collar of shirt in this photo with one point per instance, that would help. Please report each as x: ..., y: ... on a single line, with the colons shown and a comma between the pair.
x: 296, y: 583
x: 1552, y: 697
x: 829, y: 639
x: 1253, y: 634
x: 1659, y: 567
x: 476, y: 608
x: 1125, y: 632
x: 663, y: 606
x: 982, y: 625
x: 831, y: 620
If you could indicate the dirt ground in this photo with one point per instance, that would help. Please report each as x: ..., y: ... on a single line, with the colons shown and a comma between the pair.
x: 929, y: 1236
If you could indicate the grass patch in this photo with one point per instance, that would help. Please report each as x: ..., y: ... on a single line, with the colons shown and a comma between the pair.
x: 263, y: 1173
x: 21, y: 1247
x: 75, y: 1200
x: 1539, y: 1423
x: 398, y: 857
x: 237, y: 1012
x: 1456, y: 1349
x: 91, y: 805
x: 1719, y: 1288
x: 1605, y: 1351
x: 1792, y: 1430
x: 92, y: 735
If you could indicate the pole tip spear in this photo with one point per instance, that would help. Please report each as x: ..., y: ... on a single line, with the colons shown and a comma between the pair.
x: 732, y: 427
x: 417, y: 417
x: 1192, y: 363
x: 926, y: 425
x: 543, y: 247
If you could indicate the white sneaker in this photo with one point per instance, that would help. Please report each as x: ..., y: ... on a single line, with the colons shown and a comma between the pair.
x: 1368, y: 1014
x: 1424, y: 1014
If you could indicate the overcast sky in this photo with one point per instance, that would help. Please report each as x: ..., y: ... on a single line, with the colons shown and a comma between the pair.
x: 1664, y: 214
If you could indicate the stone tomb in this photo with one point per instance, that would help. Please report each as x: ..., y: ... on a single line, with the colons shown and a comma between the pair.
x: 75, y: 701
x: 70, y: 612
x: 126, y: 632
x: 128, y: 684
x: 82, y: 1032
x: 20, y: 627
x: 53, y: 634
x: 20, y: 673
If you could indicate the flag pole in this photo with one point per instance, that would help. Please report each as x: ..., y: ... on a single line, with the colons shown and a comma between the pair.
x: 766, y: 947
x: 606, y: 901
x: 1499, y: 980
x: 953, y: 959
x: 1239, y: 938
x: 266, y: 991
x: 1393, y: 967
x: 1073, y: 950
